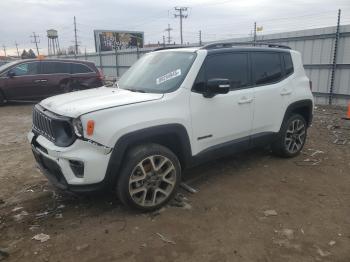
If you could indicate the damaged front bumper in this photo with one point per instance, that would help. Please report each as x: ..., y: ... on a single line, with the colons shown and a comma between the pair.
x: 80, y: 167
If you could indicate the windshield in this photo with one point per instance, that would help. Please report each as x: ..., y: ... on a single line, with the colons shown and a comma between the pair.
x: 158, y: 72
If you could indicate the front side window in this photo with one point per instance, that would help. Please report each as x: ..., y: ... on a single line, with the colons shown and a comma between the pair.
x: 158, y: 72
x: 26, y: 69
x: 231, y: 66
x: 267, y: 68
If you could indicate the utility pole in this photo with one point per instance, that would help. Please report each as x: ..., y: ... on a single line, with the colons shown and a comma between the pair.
x: 181, y: 14
x: 200, y: 37
x: 254, y: 41
x: 75, y: 37
x: 169, y: 37
x: 334, y: 64
x: 4, y: 48
x: 17, y: 48
x: 36, y: 41
x: 163, y: 41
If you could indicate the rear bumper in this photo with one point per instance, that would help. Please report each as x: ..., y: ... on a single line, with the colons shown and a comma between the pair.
x: 55, y: 164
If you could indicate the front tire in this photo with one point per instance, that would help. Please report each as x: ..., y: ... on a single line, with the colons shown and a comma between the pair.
x: 291, y: 138
x: 149, y: 177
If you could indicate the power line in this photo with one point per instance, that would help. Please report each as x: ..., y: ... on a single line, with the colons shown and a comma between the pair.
x: 181, y: 14
x: 36, y: 41
x: 168, y: 30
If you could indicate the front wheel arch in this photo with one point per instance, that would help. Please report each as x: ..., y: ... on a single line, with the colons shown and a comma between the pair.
x: 172, y: 136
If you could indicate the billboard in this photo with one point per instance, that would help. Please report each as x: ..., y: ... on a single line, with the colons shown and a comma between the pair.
x: 107, y: 40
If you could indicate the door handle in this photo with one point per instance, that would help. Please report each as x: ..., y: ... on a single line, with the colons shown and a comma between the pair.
x: 37, y: 81
x: 245, y: 100
x: 285, y: 92
x: 43, y: 80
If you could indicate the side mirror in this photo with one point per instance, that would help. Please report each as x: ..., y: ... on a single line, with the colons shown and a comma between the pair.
x: 217, y: 86
x: 11, y: 74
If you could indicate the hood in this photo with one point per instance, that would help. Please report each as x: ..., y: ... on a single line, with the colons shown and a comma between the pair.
x: 81, y: 102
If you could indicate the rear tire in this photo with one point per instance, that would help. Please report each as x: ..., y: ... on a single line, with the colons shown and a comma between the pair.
x: 292, y: 136
x: 66, y: 87
x: 149, y: 177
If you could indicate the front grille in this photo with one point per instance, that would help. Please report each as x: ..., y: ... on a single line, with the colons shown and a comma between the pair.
x: 43, y: 124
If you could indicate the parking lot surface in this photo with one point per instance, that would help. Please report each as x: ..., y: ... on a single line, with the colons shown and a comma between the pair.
x: 249, y: 207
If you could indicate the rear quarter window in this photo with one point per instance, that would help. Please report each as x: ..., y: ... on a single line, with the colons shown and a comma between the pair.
x: 288, y: 64
x: 80, y: 69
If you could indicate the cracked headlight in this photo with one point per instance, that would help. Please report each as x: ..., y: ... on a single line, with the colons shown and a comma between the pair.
x: 78, y: 127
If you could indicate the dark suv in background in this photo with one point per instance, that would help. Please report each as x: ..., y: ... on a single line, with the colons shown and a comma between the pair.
x: 30, y: 80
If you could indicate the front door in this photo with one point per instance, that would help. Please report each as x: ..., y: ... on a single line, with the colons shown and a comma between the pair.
x: 224, y: 118
x: 25, y: 82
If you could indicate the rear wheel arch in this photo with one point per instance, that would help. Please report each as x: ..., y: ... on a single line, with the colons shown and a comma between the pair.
x: 302, y: 107
x: 172, y: 136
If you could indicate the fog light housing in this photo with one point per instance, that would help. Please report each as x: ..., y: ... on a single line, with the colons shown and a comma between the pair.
x: 77, y: 168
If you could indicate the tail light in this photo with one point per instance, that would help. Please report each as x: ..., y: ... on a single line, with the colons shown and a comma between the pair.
x: 310, y: 84
x: 100, y: 74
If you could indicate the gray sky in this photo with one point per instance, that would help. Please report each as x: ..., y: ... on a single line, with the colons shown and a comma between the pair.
x: 218, y: 19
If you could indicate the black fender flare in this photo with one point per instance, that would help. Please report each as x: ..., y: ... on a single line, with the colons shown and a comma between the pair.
x: 293, y: 107
x: 174, y: 134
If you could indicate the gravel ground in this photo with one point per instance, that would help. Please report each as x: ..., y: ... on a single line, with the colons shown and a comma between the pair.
x: 249, y: 207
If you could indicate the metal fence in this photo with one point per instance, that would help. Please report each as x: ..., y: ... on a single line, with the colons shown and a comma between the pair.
x: 113, y: 64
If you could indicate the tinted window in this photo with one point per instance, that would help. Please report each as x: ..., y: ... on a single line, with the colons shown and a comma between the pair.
x: 55, y: 68
x: 80, y: 68
x: 26, y: 69
x: 229, y: 66
x: 266, y: 68
x: 288, y: 64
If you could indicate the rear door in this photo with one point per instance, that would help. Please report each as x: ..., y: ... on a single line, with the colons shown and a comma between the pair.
x: 83, y: 76
x: 272, y: 91
x: 26, y: 82
x: 224, y: 117
x: 55, y: 75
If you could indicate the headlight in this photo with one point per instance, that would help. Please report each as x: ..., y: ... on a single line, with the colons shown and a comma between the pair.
x: 78, y: 127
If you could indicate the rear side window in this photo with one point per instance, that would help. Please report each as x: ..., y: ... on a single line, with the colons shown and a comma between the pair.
x: 232, y: 66
x: 26, y: 69
x: 267, y: 68
x: 288, y: 64
x: 55, y: 68
x: 80, y: 69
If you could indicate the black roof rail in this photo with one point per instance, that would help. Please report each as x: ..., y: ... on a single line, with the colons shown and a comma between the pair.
x: 231, y: 44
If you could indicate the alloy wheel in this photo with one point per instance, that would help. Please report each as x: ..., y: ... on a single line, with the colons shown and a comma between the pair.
x: 152, y: 181
x: 295, y: 136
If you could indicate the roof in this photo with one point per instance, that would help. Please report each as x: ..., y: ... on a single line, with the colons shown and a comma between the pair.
x: 54, y: 60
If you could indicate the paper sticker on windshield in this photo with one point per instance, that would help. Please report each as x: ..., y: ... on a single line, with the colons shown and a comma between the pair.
x: 168, y: 76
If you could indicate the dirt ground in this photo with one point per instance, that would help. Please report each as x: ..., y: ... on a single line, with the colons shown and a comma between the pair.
x: 249, y: 207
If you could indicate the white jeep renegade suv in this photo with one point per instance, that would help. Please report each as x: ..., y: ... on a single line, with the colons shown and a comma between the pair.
x: 172, y: 109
